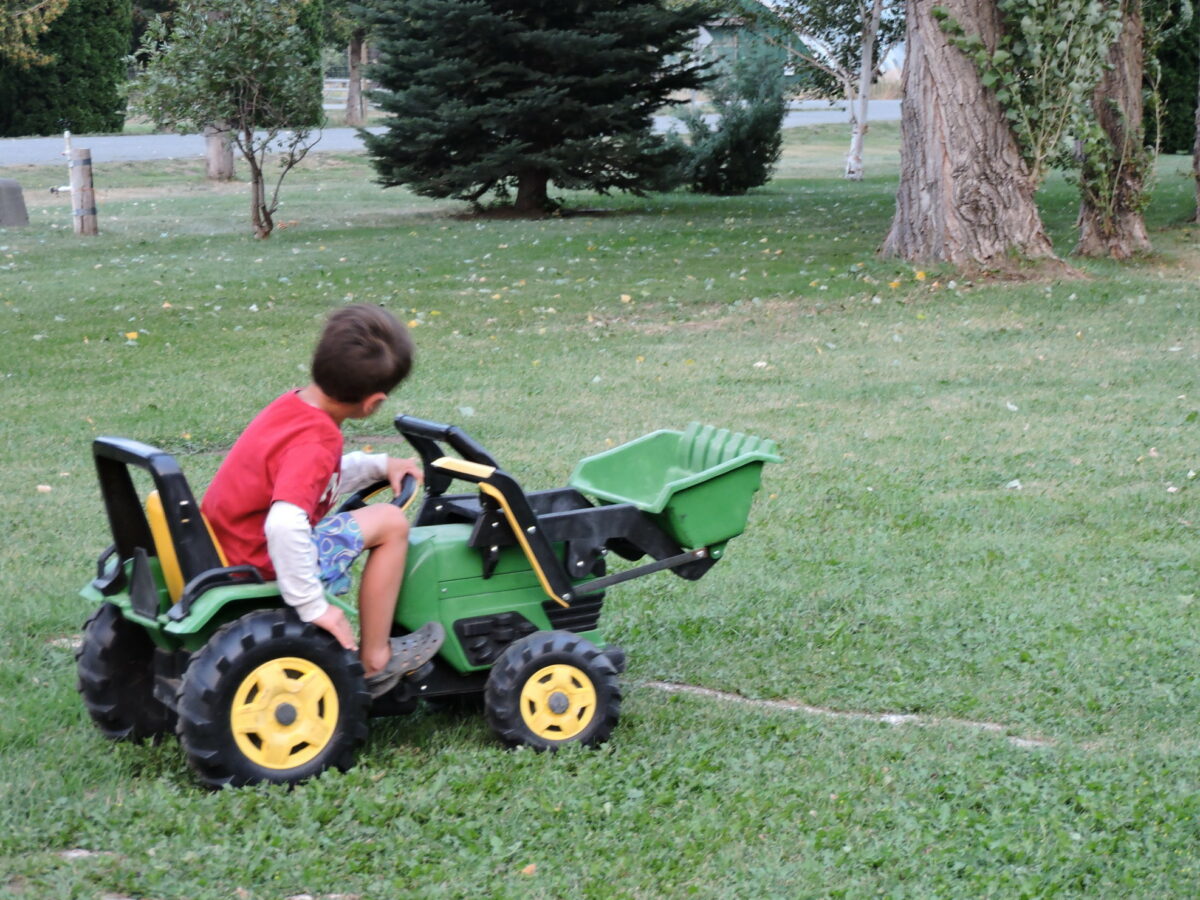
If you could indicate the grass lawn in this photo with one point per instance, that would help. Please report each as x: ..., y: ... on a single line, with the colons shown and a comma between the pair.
x: 961, y: 632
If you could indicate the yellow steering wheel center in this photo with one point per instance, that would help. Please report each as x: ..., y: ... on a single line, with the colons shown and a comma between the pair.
x: 558, y: 702
x: 284, y: 713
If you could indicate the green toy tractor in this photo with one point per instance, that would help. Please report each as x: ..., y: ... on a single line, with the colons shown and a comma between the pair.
x: 181, y: 641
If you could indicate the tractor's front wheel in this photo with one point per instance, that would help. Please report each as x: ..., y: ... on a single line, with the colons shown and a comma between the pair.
x: 270, y: 698
x: 553, y: 688
x: 115, y: 665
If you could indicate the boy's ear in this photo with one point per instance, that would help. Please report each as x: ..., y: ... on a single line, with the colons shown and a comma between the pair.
x: 372, y: 403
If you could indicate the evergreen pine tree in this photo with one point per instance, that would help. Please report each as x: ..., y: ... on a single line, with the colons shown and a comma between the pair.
x: 488, y: 95
x: 80, y: 88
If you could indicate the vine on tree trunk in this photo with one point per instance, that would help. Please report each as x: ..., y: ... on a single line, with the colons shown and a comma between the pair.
x: 1044, y: 68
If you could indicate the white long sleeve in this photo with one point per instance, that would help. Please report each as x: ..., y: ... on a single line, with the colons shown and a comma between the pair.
x: 360, y: 469
x: 294, y: 555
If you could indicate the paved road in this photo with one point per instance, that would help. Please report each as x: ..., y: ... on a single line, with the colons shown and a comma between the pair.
x: 125, y: 148
x: 133, y: 147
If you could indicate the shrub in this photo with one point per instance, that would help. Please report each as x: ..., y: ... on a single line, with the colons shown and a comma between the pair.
x: 739, y: 150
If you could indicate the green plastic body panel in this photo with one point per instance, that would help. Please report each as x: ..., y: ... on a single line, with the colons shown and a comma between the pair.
x: 121, y: 601
x: 697, y: 484
x: 212, y: 610
x: 444, y: 582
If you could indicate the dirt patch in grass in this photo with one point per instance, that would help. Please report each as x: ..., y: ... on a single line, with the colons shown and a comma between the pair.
x: 215, y: 188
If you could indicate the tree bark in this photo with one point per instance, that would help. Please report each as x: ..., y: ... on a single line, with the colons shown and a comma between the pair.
x: 218, y: 155
x: 1196, y: 159
x: 966, y: 196
x: 1113, y: 226
x: 261, y: 214
x: 533, y: 192
x: 356, y: 107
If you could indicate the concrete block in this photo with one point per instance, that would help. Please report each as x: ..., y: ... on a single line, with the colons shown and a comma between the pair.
x: 12, y: 204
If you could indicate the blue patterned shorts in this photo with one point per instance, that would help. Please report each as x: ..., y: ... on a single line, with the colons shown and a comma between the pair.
x: 339, y: 543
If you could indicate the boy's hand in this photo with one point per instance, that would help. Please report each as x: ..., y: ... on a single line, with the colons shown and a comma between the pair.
x: 335, y: 622
x: 397, y: 468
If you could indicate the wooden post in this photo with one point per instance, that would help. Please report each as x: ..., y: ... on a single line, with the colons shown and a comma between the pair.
x: 83, y: 196
x: 356, y: 55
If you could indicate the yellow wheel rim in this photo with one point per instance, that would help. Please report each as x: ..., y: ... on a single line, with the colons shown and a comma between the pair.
x: 558, y: 702
x: 284, y: 713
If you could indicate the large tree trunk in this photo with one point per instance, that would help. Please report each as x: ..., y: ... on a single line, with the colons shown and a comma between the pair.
x: 965, y: 196
x: 356, y: 107
x: 532, y: 192
x: 1113, y: 225
x: 218, y: 155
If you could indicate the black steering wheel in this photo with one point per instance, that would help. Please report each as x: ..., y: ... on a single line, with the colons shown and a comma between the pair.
x: 359, y: 499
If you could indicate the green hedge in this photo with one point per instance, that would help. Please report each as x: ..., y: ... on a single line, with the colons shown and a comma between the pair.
x: 80, y: 90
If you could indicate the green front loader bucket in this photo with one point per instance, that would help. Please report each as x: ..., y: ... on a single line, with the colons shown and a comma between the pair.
x: 697, y: 484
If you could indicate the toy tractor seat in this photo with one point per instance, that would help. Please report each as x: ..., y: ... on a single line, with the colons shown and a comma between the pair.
x: 168, y: 559
x: 168, y: 528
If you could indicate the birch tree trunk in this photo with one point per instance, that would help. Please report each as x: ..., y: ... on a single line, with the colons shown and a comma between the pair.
x: 966, y: 196
x: 356, y: 107
x: 1111, y: 223
x: 859, y: 104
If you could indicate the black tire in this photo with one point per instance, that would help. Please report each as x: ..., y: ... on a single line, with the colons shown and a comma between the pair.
x: 115, y: 665
x: 550, y: 689
x: 300, y: 700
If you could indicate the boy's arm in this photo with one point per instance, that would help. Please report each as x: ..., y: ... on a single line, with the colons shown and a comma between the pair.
x: 361, y: 469
x: 290, y: 545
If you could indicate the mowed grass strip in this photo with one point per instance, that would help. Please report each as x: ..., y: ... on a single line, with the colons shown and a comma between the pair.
x: 986, y: 514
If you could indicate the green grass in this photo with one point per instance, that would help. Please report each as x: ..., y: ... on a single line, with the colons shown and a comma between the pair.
x: 892, y: 564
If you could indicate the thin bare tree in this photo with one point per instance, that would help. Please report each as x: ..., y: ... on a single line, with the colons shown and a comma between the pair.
x: 843, y: 42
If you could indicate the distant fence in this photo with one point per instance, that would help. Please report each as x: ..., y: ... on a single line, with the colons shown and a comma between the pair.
x: 335, y: 90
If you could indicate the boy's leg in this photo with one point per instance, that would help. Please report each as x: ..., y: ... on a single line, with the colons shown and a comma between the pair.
x: 385, y: 535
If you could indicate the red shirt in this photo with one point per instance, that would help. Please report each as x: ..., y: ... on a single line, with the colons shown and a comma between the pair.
x: 290, y: 452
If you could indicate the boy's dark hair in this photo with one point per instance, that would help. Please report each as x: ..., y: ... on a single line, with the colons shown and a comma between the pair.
x: 362, y: 351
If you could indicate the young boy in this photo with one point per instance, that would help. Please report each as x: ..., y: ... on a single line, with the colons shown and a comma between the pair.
x: 269, y: 502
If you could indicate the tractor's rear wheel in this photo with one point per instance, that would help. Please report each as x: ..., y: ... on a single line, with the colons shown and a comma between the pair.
x: 115, y: 665
x: 270, y: 698
x: 553, y: 688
